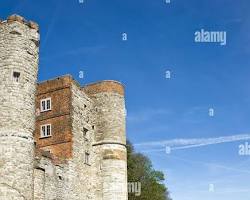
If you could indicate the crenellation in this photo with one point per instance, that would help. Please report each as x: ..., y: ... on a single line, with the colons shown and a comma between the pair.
x: 104, y: 86
x: 33, y: 25
x: 22, y: 20
x: 15, y: 17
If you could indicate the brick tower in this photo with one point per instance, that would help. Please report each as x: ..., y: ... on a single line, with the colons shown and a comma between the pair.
x: 19, y: 41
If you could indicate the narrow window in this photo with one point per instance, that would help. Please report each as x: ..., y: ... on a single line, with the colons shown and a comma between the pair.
x: 86, y: 161
x: 45, y: 105
x: 46, y: 130
x: 48, y: 104
x: 16, y: 77
x: 43, y: 131
x: 85, y: 133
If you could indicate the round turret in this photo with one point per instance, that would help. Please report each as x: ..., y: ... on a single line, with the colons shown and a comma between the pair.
x: 110, y: 107
x: 19, y: 41
x: 110, y: 138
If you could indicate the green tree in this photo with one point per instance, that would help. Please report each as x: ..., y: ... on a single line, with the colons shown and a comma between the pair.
x: 140, y: 169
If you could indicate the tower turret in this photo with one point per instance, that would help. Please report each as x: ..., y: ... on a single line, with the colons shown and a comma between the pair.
x: 19, y: 41
x: 110, y: 138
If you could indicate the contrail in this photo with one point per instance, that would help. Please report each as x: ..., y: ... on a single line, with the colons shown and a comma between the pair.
x: 194, y: 142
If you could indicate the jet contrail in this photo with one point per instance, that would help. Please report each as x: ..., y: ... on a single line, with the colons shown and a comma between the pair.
x: 194, y: 142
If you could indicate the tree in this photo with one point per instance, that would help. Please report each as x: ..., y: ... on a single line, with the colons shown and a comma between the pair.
x: 140, y: 170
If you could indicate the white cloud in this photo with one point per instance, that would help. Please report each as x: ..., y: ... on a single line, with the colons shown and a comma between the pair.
x: 192, y: 143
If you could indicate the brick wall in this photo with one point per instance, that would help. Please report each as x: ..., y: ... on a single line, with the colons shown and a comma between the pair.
x: 60, y: 142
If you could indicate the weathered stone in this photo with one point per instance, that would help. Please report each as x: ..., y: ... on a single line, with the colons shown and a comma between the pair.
x: 17, y: 18
x: 17, y: 113
x: 33, y: 25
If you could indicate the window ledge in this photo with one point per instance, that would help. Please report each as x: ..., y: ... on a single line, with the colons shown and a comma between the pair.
x: 87, y: 164
x: 42, y: 111
x: 43, y: 137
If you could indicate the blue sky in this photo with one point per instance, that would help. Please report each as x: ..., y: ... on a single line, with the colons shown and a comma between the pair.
x: 88, y: 37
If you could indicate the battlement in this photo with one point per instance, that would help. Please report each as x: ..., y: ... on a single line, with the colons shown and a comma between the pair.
x: 54, y: 84
x: 20, y: 19
x: 90, y: 89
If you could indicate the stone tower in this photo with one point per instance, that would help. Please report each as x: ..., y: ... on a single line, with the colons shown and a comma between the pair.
x: 19, y: 41
x: 110, y: 138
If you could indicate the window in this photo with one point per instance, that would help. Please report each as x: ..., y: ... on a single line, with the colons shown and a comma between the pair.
x: 85, y: 133
x: 16, y: 76
x: 46, y: 130
x: 45, y: 104
x: 86, y: 161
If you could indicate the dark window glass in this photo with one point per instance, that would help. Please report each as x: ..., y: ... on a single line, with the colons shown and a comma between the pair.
x: 16, y: 76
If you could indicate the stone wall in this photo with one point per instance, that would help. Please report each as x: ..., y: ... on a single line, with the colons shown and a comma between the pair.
x: 81, y: 175
x: 49, y: 179
x: 39, y: 184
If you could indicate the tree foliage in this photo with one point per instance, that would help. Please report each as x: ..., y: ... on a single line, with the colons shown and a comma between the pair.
x: 140, y: 169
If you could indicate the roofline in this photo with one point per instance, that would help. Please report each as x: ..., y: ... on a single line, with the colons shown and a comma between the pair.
x: 57, y: 77
x: 86, y: 85
x: 98, y: 82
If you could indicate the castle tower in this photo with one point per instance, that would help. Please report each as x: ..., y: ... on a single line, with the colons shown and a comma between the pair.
x: 19, y: 41
x: 110, y: 138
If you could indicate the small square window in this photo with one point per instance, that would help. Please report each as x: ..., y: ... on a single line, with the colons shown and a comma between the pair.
x: 45, y: 105
x: 16, y: 77
x: 46, y: 130
x: 86, y: 159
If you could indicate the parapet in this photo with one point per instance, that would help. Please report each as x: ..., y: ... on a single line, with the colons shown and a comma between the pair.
x: 22, y: 20
x: 54, y: 84
x: 104, y: 86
